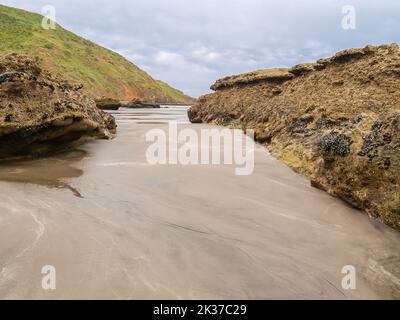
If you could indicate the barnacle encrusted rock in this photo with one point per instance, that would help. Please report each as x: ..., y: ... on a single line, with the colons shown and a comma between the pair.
x: 336, y: 121
x: 41, y: 113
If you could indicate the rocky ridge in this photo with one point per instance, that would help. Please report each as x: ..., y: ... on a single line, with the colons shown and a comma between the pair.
x: 336, y: 121
x: 41, y: 113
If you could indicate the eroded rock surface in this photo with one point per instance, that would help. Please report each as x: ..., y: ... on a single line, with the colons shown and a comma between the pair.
x: 108, y: 104
x: 336, y: 121
x: 40, y: 113
x: 139, y: 104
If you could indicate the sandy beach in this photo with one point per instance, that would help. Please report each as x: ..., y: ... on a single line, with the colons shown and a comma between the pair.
x: 116, y: 227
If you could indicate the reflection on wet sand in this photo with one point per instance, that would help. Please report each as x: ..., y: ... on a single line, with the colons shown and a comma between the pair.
x: 176, y: 232
x: 49, y: 172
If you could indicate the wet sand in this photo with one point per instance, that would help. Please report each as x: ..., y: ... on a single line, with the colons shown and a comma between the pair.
x: 116, y: 227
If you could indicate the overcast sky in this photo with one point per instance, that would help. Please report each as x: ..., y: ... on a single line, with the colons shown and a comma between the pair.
x: 191, y: 43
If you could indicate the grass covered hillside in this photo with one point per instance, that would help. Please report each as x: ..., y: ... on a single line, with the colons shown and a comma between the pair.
x: 102, y: 71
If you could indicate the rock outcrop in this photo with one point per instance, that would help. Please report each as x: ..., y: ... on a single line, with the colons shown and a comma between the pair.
x: 139, y: 104
x: 108, y: 104
x: 40, y: 113
x: 336, y: 121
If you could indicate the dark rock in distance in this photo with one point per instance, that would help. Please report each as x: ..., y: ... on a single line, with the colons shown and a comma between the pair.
x: 138, y: 104
x: 108, y: 104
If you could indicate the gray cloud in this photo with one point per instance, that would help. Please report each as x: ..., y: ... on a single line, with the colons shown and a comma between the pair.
x: 190, y: 44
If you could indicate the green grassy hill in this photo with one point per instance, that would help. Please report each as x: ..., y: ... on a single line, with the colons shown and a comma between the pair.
x: 102, y: 71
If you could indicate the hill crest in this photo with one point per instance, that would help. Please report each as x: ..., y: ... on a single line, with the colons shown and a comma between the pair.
x: 102, y: 71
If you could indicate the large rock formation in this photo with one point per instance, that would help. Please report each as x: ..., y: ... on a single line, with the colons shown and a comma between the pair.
x: 40, y: 113
x: 336, y: 121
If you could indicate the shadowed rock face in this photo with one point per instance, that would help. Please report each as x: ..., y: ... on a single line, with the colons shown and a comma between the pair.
x: 336, y: 121
x: 40, y: 113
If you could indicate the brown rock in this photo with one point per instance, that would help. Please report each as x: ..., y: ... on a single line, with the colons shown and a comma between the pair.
x: 302, y: 69
x: 278, y: 75
x: 136, y: 103
x: 40, y: 113
x: 108, y: 104
x: 336, y: 121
